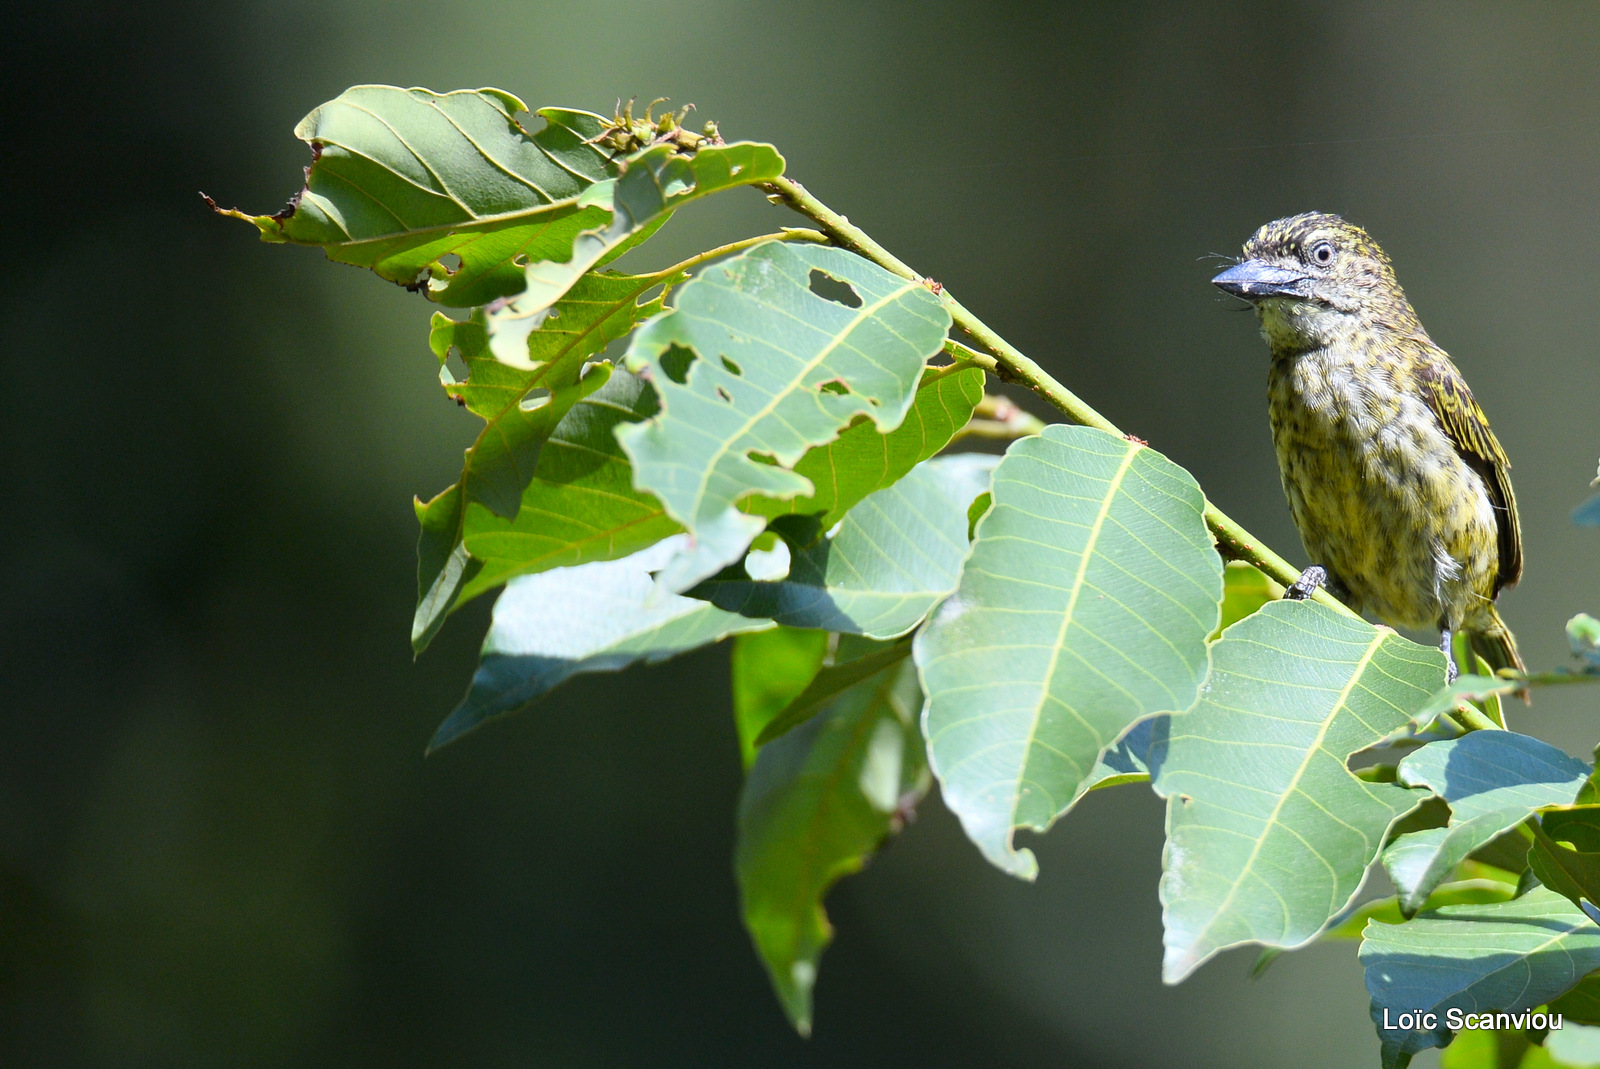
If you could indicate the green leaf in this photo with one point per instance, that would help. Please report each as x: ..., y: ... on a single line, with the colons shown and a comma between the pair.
x: 1582, y: 1003
x: 816, y: 803
x: 863, y: 459
x: 828, y: 684
x: 1583, y: 635
x: 1508, y: 956
x: 580, y: 505
x: 894, y: 556
x: 597, y: 310
x: 1487, y: 1048
x: 1083, y: 607
x: 1245, y: 589
x: 1125, y: 762
x: 769, y: 669
x: 1574, y: 1046
x: 1566, y: 854
x: 593, y: 618
x: 654, y: 184
x: 499, y: 464
x: 1465, y: 688
x: 1269, y: 834
x: 1349, y: 924
x: 1492, y: 780
x: 775, y: 369
x: 401, y: 178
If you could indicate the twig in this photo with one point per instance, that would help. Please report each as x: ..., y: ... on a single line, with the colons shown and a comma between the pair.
x: 1010, y: 364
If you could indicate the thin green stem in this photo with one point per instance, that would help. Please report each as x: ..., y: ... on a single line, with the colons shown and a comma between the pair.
x: 1472, y: 718
x: 1010, y: 364
x: 788, y: 233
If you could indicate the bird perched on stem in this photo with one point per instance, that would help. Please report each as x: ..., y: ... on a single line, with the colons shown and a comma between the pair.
x: 1399, y: 488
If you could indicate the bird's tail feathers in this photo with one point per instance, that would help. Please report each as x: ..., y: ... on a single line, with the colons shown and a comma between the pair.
x: 1497, y: 646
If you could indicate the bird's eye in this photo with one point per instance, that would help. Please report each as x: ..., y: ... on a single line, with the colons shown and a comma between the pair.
x: 1322, y: 253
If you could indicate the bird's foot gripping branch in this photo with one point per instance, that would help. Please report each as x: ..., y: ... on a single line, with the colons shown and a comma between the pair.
x: 752, y: 444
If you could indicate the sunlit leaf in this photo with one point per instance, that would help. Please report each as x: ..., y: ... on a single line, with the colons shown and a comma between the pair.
x: 894, y: 556
x: 1566, y: 854
x: 1268, y: 833
x: 598, y: 309
x: 592, y: 618
x: 1492, y: 780
x: 784, y: 345
x: 768, y: 670
x: 864, y: 459
x: 816, y: 802
x: 1083, y: 607
x: 653, y: 184
x: 580, y: 505
x: 1508, y: 956
x: 498, y: 465
x: 402, y: 178
x: 1245, y: 589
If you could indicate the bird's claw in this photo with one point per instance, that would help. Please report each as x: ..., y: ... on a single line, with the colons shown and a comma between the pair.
x: 1305, y: 586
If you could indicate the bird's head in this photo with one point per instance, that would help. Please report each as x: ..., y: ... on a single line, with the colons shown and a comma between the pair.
x: 1314, y: 278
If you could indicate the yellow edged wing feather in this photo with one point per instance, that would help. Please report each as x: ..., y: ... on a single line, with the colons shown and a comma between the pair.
x: 1463, y: 420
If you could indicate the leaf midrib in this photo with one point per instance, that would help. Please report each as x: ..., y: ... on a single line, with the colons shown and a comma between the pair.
x: 796, y: 382
x: 1311, y: 751
x: 1113, y: 488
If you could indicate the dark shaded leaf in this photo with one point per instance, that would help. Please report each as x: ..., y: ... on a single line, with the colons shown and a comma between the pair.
x: 816, y: 803
x: 592, y: 618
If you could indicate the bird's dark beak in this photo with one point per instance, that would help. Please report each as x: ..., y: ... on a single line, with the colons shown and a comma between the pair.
x: 1256, y: 279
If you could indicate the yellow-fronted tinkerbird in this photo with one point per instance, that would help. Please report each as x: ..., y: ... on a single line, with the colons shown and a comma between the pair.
x: 1401, y: 492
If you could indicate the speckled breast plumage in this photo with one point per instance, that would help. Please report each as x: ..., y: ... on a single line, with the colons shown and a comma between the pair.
x: 1380, y: 494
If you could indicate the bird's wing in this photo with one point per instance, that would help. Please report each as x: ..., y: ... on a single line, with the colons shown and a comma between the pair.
x: 1463, y: 420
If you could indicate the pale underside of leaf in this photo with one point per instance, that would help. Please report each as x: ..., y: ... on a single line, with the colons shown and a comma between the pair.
x: 1083, y: 607
x: 1492, y: 781
x: 894, y: 556
x: 777, y: 369
x: 1269, y: 834
x: 592, y: 618
x: 1508, y: 956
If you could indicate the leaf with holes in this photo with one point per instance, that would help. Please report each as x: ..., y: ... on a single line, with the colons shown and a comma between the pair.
x: 816, y: 802
x: 595, y: 312
x: 401, y: 179
x: 654, y: 184
x: 1084, y: 606
x: 598, y: 617
x: 408, y: 181
x: 1492, y: 780
x: 599, y: 308
x: 1269, y: 834
x: 894, y: 556
x: 754, y: 361
x: 580, y: 506
x: 863, y: 459
x: 1506, y: 956
x: 499, y: 464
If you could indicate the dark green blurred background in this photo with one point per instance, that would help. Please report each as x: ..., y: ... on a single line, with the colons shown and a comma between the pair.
x: 219, y: 842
